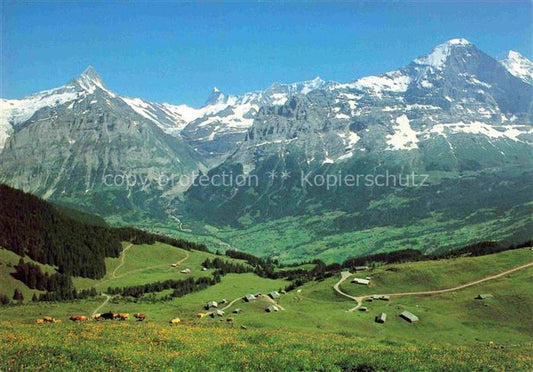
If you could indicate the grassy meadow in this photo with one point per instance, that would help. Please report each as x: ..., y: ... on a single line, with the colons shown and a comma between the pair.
x: 155, y: 346
x: 8, y: 284
x: 314, y: 331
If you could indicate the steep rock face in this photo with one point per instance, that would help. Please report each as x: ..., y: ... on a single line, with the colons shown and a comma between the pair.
x: 443, y: 95
x: 73, y: 149
x: 217, y: 128
x: 222, y: 122
x: 454, y: 110
x: 461, y: 74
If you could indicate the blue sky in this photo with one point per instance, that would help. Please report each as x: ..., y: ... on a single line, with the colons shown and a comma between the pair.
x: 176, y: 52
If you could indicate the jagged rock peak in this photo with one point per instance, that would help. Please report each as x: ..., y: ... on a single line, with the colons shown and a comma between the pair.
x: 215, y: 97
x: 90, y: 79
x: 519, y: 66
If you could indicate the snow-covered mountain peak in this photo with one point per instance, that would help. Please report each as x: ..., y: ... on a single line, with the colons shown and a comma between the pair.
x: 301, y: 87
x: 89, y: 80
x: 441, y: 52
x: 216, y: 97
x: 316, y: 83
x: 90, y: 73
x: 460, y: 41
x: 519, y: 66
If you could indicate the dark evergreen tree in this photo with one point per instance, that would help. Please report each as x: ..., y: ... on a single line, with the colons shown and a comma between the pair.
x: 17, y: 295
x: 4, y: 300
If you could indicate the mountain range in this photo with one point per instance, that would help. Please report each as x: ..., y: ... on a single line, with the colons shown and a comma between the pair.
x: 455, y: 115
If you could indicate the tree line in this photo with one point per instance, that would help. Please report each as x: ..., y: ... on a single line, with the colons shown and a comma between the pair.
x: 180, y: 287
x: 42, y: 231
x: 51, y: 235
x: 32, y: 275
x: 224, y: 267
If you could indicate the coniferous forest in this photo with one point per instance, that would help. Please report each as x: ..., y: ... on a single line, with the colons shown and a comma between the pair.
x: 48, y: 234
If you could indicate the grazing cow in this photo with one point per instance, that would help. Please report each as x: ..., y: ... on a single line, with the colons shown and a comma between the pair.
x: 200, y: 315
x: 175, y: 321
x: 78, y: 318
x: 140, y: 317
x: 57, y: 321
x: 123, y: 316
x: 39, y: 321
x: 230, y: 320
x: 108, y: 316
x: 96, y: 316
x: 48, y: 319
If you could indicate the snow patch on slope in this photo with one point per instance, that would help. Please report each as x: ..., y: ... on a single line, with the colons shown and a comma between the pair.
x: 511, y: 132
x: 16, y: 111
x: 141, y: 107
x: 394, y: 81
x: 404, y: 137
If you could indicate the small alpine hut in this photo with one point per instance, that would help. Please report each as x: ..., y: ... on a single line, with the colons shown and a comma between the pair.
x: 274, y: 295
x: 381, y: 318
x: 211, y: 304
x: 249, y: 297
x: 216, y: 313
x: 409, y: 316
x: 363, y: 308
x: 237, y: 311
x: 361, y: 268
x: 384, y: 298
x: 484, y: 296
x: 186, y: 271
x: 361, y: 281
x: 272, y: 308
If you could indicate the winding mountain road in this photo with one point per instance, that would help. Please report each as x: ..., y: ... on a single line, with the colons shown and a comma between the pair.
x: 359, y: 299
x: 114, y: 276
x: 123, y: 257
x: 178, y: 263
x: 122, y: 260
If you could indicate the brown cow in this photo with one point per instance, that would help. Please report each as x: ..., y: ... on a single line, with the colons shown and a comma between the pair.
x: 57, y: 321
x: 39, y: 321
x: 123, y: 316
x: 200, y: 315
x: 78, y: 318
x: 140, y: 317
x: 49, y: 319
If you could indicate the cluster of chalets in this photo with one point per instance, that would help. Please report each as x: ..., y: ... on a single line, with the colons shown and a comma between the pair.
x: 214, y: 310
